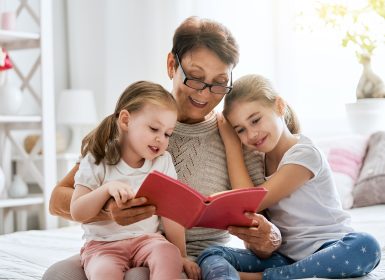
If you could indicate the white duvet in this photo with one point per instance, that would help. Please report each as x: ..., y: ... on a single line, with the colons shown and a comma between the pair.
x: 26, y: 255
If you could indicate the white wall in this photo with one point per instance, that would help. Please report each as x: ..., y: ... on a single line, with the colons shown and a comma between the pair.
x: 87, y: 41
x: 114, y: 43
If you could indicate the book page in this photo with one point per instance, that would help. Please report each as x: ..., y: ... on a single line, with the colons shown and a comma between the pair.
x: 186, y: 206
x: 228, y: 208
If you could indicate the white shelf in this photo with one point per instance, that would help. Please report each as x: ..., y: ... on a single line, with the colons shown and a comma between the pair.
x: 12, y: 40
x: 20, y: 119
x: 37, y: 78
x: 25, y: 201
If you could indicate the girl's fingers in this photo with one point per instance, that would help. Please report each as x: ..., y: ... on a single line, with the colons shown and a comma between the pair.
x: 124, y: 196
x: 116, y: 196
x: 130, y: 194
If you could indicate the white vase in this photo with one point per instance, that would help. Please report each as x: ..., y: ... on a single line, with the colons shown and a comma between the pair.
x: 18, y: 188
x: 367, y: 115
x: 370, y: 84
x: 11, y: 99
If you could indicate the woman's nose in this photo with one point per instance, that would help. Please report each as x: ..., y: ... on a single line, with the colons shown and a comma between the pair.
x: 206, y: 90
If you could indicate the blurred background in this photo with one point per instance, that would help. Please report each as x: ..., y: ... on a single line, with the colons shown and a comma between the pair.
x: 66, y: 62
x: 106, y: 45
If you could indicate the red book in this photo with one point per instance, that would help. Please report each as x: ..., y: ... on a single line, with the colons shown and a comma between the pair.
x: 188, y: 207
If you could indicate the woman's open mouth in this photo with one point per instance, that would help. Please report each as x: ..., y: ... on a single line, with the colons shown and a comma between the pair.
x: 197, y: 103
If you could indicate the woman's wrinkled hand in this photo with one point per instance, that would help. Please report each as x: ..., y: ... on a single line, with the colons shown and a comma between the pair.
x: 191, y: 268
x: 132, y: 211
x: 263, y: 238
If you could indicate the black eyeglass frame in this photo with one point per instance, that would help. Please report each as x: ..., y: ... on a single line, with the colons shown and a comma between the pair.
x: 204, y: 85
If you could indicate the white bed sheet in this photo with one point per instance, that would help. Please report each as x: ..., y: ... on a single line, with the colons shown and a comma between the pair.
x: 26, y: 255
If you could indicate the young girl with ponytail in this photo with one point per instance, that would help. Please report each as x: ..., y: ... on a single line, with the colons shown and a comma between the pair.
x: 302, y: 201
x: 116, y: 158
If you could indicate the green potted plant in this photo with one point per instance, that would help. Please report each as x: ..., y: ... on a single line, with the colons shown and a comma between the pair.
x: 363, y: 29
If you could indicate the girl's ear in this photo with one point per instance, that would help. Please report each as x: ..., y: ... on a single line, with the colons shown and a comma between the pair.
x: 170, y: 65
x: 280, y: 105
x: 123, y: 120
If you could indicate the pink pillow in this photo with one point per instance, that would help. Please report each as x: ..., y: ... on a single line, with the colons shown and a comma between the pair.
x: 345, y: 155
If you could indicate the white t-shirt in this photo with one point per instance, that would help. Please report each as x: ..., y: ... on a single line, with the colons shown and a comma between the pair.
x: 93, y: 176
x: 312, y: 215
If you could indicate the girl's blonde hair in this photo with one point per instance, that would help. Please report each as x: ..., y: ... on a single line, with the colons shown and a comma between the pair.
x: 104, y: 141
x: 251, y: 88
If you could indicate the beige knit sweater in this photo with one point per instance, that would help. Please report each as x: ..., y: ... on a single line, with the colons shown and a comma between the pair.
x: 199, y: 157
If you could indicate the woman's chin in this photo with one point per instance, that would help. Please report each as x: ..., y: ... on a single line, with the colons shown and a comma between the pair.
x: 192, y: 118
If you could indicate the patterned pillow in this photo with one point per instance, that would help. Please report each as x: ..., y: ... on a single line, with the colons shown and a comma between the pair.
x: 345, y: 155
x: 370, y: 186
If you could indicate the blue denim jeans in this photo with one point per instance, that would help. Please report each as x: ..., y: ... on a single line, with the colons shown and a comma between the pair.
x: 356, y: 254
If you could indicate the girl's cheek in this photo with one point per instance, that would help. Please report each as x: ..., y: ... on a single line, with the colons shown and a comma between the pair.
x: 243, y: 140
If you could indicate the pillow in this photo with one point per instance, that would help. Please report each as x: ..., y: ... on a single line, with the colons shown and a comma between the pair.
x: 345, y: 155
x: 370, y: 186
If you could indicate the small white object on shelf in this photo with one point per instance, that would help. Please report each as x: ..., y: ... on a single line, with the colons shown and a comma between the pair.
x: 18, y: 187
x: 8, y: 20
x: 11, y: 99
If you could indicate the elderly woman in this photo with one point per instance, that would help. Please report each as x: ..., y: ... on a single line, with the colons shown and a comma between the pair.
x: 200, y: 64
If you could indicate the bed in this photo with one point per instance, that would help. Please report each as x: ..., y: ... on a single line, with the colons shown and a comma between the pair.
x: 358, y: 164
x: 26, y: 255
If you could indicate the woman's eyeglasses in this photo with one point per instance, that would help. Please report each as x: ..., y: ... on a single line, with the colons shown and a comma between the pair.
x: 199, y: 85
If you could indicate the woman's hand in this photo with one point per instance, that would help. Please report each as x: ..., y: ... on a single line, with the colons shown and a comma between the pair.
x: 134, y: 210
x: 191, y: 269
x: 263, y: 238
x: 228, y: 135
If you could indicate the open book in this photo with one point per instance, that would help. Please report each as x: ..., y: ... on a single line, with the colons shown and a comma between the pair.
x: 186, y: 206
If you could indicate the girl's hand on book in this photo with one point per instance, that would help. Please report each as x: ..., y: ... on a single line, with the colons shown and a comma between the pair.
x: 121, y: 192
x: 191, y: 268
x: 263, y: 238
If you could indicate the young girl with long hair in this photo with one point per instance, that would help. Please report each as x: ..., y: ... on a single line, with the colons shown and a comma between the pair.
x: 302, y: 201
x: 116, y: 158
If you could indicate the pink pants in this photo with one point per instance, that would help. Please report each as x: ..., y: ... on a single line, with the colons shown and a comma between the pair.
x: 111, y: 259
